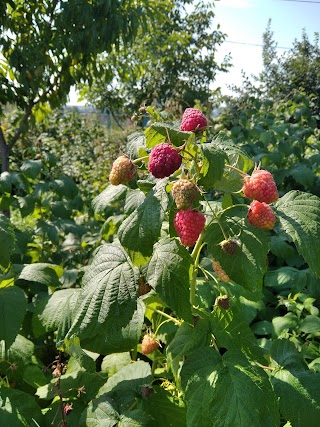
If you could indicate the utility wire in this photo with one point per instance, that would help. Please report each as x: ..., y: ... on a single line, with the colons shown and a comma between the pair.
x: 255, y: 44
x: 303, y: 1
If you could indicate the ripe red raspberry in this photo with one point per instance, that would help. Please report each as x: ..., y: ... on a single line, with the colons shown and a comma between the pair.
x: 164, y: 160
x: 260, y: 186
x: 193, y: 120
x: 123, y: 170
x: 189, y: 224
x: 185, y: 193
x: 261, y: 215
x: 149, y: 344
x: 216, y: 266
x: 230, y: 246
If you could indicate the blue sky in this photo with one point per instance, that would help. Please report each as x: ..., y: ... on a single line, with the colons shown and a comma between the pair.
x: 244, y: 21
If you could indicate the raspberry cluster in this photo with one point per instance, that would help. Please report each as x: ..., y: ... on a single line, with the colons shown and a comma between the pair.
x: 164, y: 160
x: 185, y: 193
x: 189, y: 225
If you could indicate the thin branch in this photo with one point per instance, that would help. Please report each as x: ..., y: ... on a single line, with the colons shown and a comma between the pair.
x: 23, y: 121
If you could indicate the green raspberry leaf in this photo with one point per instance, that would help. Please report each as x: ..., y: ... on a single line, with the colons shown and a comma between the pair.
x: 186, y: 340
x: 232, y: 331
x: 109, y: 292
x: 73, y: 348
x: 7, y: 241
x: 158, y: 133
x: 248, y: 265
x: 40, y: 272
x: 141, y: 229
x: 296, y: 386
x: 18, y: 408
x: 31, y: 168
x: 165, y: 408
x: 118, y: 337
x: 213, y: 164
x: 100, y: 412
x: 109, y: 197
x: 231, y: 181
x: 299, y: 215
x: 136, y: 144
x: 13, y: 307
x: 54, y: 313
x: 169, y: 274
x: 126, y: 385
x: 112, y: 363
x: 137, y: 373
x: 219, y: 391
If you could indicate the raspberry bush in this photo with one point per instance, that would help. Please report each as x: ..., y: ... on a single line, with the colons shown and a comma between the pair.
x: 178, y: 320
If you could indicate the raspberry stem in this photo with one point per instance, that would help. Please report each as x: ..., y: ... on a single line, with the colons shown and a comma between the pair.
x: 159, y: 326
x: 237, y: 170
x: 234, y: 206
x: 140, y: 159
x: 162, y: 313
x: 195, y: 255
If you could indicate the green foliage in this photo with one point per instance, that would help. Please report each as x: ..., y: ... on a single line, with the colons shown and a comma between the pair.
x: 39, y: 67
x: 13, y: 308
x: 7, y: 241
x: 18, y: 408
x: 169, y: 274
x: 295, y: 385
x: 165, y: 66
x: 141, y: 229
x: 80, y: 287
x: 298, y: 214
x: 227, y: 385
x: 298, y: 69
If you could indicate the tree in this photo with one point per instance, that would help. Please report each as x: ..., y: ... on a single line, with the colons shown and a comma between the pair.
x: 296, y: 70
x: 47, y: 46
x: 173, y: 64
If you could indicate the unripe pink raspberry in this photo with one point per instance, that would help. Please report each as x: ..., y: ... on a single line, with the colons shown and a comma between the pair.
x: 149, y: 344
x: 261, y: 215
x: 216, y: 266
x: 189, y: 225
x: 193, y: 120
x: 164, y: 160
x: 123, y: 170
x: 185, y: 193
x: 260, y: 186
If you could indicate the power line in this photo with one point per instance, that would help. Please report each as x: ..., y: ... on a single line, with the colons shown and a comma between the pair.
x: 254, y: 44
x: 303, y: 1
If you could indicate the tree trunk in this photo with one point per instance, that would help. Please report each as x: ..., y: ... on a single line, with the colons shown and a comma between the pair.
x: 5, y: 166
x: 5, y: 150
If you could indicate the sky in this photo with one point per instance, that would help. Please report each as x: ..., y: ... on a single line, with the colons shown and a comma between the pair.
x: 244, y: 22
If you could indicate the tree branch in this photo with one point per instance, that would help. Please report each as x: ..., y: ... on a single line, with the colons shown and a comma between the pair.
x: 23, y: 121
x: 5, y: 149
